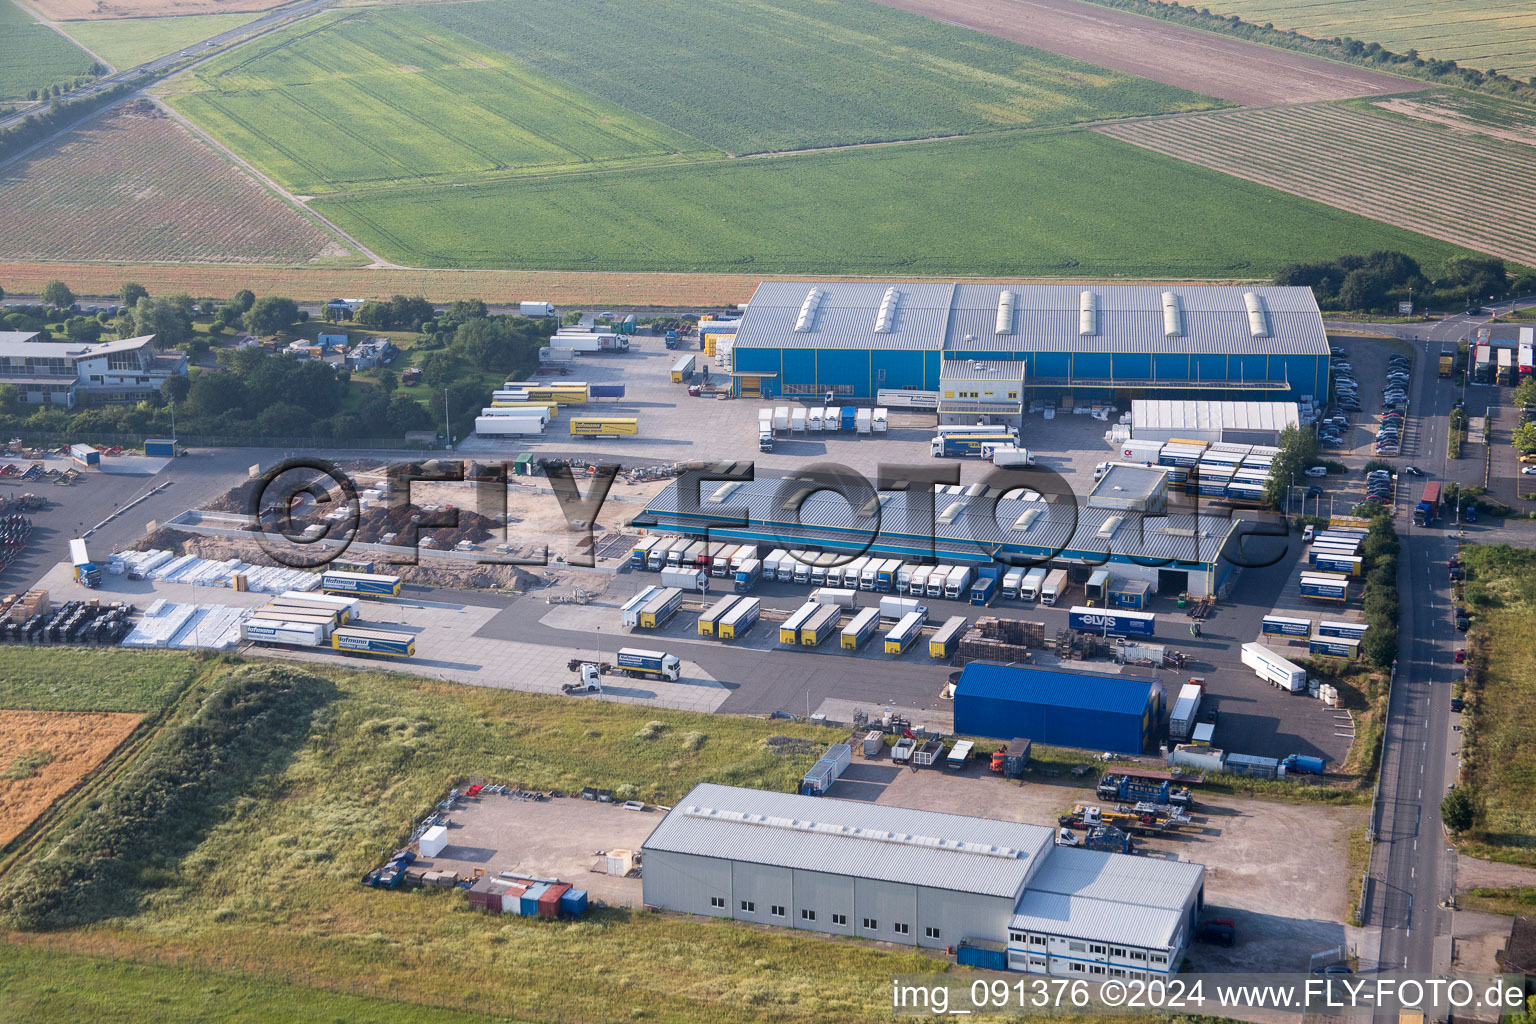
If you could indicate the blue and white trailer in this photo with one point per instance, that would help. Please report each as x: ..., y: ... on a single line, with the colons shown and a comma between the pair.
x: 1347, y: 630
x: 364, y: 584
x: 1118, y: 622
x: 1280, y: 625
x: 1325, y: 586
x: 1334, y: 647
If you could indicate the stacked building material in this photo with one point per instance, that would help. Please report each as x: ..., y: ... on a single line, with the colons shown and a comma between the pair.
x: 995, y: 639
x: 33, y: 602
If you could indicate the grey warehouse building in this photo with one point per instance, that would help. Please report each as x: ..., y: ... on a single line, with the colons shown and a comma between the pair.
x: 922, y: 878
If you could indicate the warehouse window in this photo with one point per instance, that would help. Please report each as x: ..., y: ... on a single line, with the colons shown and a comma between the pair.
x: 1095, y: 948
x: 840, y: 919
x: 1117, y: 972
x: 1137, y: 954
x: 932, y: 933
x: 1159, y: 958
x: 900, y: 929
x: 777, y: 910
x: 1096, y: 969
x: 1116, y: 951
x: 1077, y: 967
x: 717, y: 901
x: 807, y: 915
x: 870, y: 924
x: 1077, y: 947
x: 1037, y: 940
x: 748, y: 907
x: 1016, y: 937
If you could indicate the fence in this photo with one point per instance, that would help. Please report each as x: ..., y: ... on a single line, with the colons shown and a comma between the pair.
x: 55, y: 440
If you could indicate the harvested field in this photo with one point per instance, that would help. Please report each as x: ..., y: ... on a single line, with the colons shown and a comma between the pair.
x: 1220, y: 66
x: 135, y: 185
x: 1425, y: 177
x: 63, y: 10
x: 1482, y: 34
x: 44, y: 753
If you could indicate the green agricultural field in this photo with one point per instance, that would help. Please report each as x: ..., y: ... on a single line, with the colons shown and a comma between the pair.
x: 129, y: 42
x: 1052, y: 204
x: 1489, y: 35
x: 34, y: 56
x: 81, y: 679
x: 379, y: 97
x: 751, y: 76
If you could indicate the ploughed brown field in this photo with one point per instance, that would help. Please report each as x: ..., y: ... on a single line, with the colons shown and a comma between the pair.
x: 51, y: 751
x: 1215, y: 65
x: 92, y: 10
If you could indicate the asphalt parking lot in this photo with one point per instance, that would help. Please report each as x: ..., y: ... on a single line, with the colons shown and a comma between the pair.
x: 1283, y: 906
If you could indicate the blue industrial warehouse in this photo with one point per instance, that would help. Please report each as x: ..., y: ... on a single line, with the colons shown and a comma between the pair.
x: 1093, y: 342
x: 1090, y: 710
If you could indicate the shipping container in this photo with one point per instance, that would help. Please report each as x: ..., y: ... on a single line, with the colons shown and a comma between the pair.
x: 159, y: 447
x: 84, y: 455
x: 573, y: 902
x: 1274, y: 669
x: 1347, y: 630
x: 1279, y: 625
x: 1092, y: 711
x: 857, y: 632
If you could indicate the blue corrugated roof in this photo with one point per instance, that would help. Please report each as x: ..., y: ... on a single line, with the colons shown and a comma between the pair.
x: 1087, y: 691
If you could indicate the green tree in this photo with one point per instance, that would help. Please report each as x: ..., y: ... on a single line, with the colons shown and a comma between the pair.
x: 57, y: 294
x: 1379, y: 645
x: 388, y: 380
x: 83, y: 328
x: 175, y: 389
x: 410, y: 312
x: 377, y: 316
x: 1523, y: 438
x: 466, y: 309
x: 10, y: 399
x: 1458, y: 810
x: 1525, y: 393
x: 169, y: 319
x: 132, y: 292
x: 271, y: 314
x: 440, y: 369
x: 1297, y: 451
x: 244, y: 299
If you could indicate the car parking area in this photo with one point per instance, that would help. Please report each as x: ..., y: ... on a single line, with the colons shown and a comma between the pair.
x: 1372, y: 379
x: 1281, y: 910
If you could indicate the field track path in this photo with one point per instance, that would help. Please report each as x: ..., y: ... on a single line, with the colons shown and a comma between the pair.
x: 377, y: 261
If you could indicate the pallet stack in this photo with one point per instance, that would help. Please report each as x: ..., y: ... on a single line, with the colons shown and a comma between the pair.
x: 33, y: 602
x: 995, y: 639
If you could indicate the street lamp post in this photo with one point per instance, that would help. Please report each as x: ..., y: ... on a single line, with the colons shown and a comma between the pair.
x: 447, y: 437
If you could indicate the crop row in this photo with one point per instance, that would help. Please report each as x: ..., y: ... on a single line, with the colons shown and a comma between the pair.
x: 1075, y: 204
x: 136, y: 187
x: 1471, y: 191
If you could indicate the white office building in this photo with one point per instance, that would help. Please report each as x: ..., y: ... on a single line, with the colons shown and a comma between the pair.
x: 70, y: 373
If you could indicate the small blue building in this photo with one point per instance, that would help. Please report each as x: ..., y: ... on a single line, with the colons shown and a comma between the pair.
x: 331, y: 339
x: 1088, y: 710
x: 1094, y: 342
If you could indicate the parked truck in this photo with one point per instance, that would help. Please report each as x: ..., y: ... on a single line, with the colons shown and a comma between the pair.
x: 1034, y: 580
x: 1054, y: 585
x: 629, y: 614
x: 958, y: 584
x: 1447, y: 363
x: 1012, y: 760
x: 363, y: 640
x: 633, y: 661
x: 1428, y: 508
x: 685, y: 579
x: 87, y: 572
x: 84, y: 455
x: 535, y: 309
x: 960, y: 754
x: 965, y: 446
x: 1272, y: 668
x: 748, y: 575
x: 1009, y: 456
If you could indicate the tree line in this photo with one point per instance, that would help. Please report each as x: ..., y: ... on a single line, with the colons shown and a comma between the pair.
x: 1378, y: 281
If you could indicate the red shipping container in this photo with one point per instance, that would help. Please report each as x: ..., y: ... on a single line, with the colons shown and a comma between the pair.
x: 549, y: 903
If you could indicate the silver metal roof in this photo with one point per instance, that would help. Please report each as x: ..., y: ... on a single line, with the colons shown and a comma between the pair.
x: 981, y: 369
x: 964, y: 318
x: 15, y: 345
x: 1124, y: 480
x: 827, y: 520
x: 863, y: 840
x: 1130, y: 318
x: 845, y: 317
x: 1093, y: 894
x: 1161, y: 414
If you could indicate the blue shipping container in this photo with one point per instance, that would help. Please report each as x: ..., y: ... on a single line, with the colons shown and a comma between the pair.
x: 528, y: 903
x: 982, y: 591
x: 606, y: 390
x: 573, y: 902
x: 1119, y: 623
x: 850, y: 416
x: 980, y: 956
x: 159, y: 447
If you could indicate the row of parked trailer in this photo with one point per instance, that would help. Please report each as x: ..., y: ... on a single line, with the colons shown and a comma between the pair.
x: 1222, y: 469
x: 814, y: 419
x: 883, y: 575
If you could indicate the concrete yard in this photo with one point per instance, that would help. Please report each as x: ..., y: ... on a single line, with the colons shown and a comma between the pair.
x: 555, y: 838
x: 1266, y: 862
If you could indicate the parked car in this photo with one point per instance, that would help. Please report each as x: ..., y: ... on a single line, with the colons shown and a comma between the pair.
x: 1219, y: 931
x: 1462, y: 622
x: 1528, y: 470
x: 1457, y: 573
x: 1317, y: 471
x: 1469, y: 513
x: 1415, y: 470
x: 1456, y: 704
x: 1461, y: 657
x: 1314, y: 491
